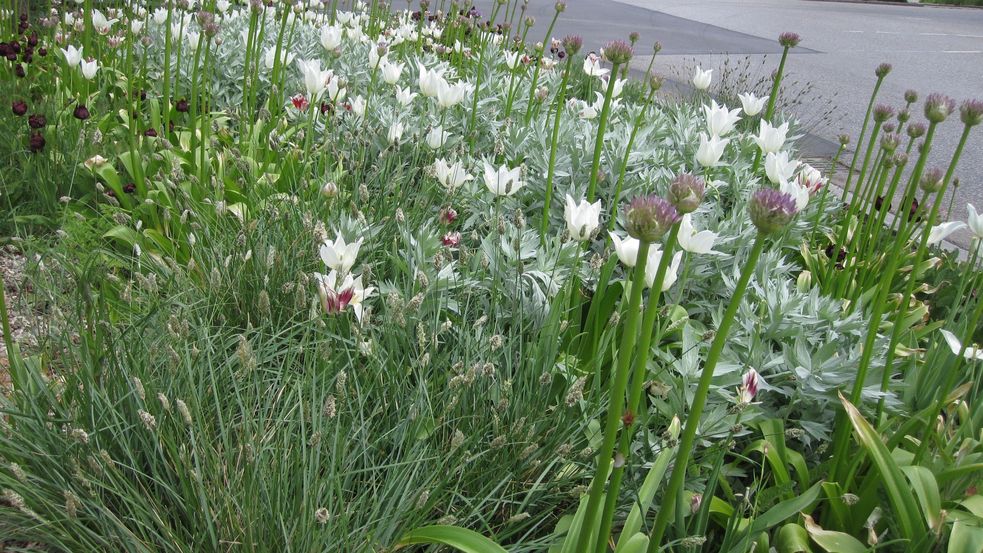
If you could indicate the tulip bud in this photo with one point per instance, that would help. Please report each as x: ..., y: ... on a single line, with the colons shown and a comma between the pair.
x: 931, y: 180
x: 686, y: 192
x: 649, y: 217
x: 971, y: 112
x: 882, y: 113
x: 618, y: 51
x: 882, y: 70
x: 674, y: 427
x: 804, y: 282
x: 910, y: 96
x: 938, y: 107
x: 771, y: 210
x: 789, y: 40
x: 19, y: 107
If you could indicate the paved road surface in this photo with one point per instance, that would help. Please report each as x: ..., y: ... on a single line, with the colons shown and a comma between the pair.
x: 932, y: 49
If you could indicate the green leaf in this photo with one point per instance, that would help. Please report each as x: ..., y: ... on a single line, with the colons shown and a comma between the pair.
x: 652, y: 480
x: 899, y: 493
x: 779, y: 513
x: 833, y: 542
x: 966, y: 537
x: 792, y: 538
x: 125, y: 234
x: 927, y: 490
x: 636, y: 544
x: 974, y: 504
x: 459, y: 538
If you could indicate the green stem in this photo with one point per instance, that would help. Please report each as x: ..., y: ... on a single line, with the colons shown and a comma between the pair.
x: 599, y: 140
x: 700, y: 398
x: 860, y: 139
x: 554, y: 139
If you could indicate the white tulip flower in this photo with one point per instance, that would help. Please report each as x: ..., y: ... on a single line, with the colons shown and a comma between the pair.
x: 720, y: 120
x: 502, y: 181
x: 710, y: 151
x: 340, y: 255
x: 973, y: 353
x: 771, y: 139
x: 692, y: 241
x: 582, y: 219
x: 752, y: 104
x: 701, y: 78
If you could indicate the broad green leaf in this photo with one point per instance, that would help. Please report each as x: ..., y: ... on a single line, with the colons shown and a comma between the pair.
x: 641, y: 506
x: 833, y: 542
x: 903, y: 500
x: 974, y: 504
x: 927, y: 490
x: 792, y: 538
x: 459, y: 538
x: 780, y: 512
x: 636, y: 544
x: 966, y: 537
x: 125, y: 234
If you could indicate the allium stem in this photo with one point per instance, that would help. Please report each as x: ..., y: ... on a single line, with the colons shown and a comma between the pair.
x: 700, y: 398
x: 770, y: 111
x: 535, y: 73
x: 616, y: 399
x: 825, y: 192
x: 624, y: 160
x: 599, y: 140
x: 636, y: 388
x: 554, y: 139
x: 860, y: 138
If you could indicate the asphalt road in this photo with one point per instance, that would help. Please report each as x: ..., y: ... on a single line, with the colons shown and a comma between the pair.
x: 932, y: 49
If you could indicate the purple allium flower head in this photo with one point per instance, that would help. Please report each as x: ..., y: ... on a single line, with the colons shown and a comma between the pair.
x: 916, y: 130
x: 931, y: 180
x: 889, y: 127
x: 938, y: 107
x: 890, y: 141
x: 789, y: 40
x: 649, y: 217
x: 882, y: 70
x: 910, y: 96
x: 903, y: 116
x: 771, y: 210
x: 971, y: 112
x: 882, y: 113
x: 618, y: 51
x: 633, y: 37
x: 686, y: 192
x: 572, y: 44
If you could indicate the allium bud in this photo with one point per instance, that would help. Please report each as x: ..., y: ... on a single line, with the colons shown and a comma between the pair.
x: 882, y: 70
x: 890, y: 142
x: 903, y: 116
x: 649, y: 217
x: 572, y: 44
x: 938, y: 107
x: 971, y: 112
x: 560, y: 7
x: 618, y: 51
x: 655, y: 81
x: 916, y: 130
x: 686, y: 192
x: 633, y: 37
x: 882, y: 113
x: 789, y: 40
x: 900, y: 159
x: 657, y: 48
x: 844, y: 139
x: 910, y: 96
x: 19, y: 107
x: 530, y: 21
x: 931, y: 180
x: 771, y: 210
x: 889, y: 127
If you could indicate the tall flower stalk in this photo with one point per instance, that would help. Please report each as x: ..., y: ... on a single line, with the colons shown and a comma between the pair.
x: 571, y: 45
x: 770, y: 211
x: 787, y: 41
x: 620, y: 53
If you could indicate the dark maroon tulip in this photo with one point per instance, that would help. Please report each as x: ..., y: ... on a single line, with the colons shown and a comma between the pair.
x: 36, y: 143
x: 37, y: 121
x: 11, y: 56
x: 32, y: 40
x: 129, y: 188
x: 81, y: 112
x: 4, y: 49
x: 182, y: 106
x: 150, y: 132
x: 19, y: 71
x: 42, y: 51
x: 15, y: 46
x: 28, y: 57
x: 19, y: 107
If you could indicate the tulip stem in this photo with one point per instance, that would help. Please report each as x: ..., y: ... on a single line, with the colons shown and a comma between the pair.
x: 616, y: 398
x: 599, y: 140
x: 700, y: 398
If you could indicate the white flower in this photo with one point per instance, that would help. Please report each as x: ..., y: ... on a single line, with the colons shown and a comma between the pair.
x: 100, y: 23
x: 720, y: 121
x: 315, y: 80
x: 627, y: 249
x: 222, y: 6
x: 771, y: 139
x: 449, y: 95
x: 780, y: 168
x: 582, y: 219
x: 974, y: 221
x: 72, y: 56
x: 334, y: 90
x: 619, y: 86
x: 752, y: 104
x: 810, y: 178
x: 160, y: 16
x: 136, y: 26
x: 404, y: 96
x: 391, y: 71
x: 652, y: 267
x: 358, y: 105
x: 592, y: 66
x: 972, y: 352
x: 584, y: 110
x: 429, y: 81
x: 89, y: 69
x: 269, y: 57
x: 512, y: 60
x: 340, y: 255
x: 396, y: 132
x: 692, y: 241
x: 940, y: 232
x: 502, y: 181
x: 451, y: 176
x: 437, y: 137
x: 711, y: 150
x: 336, y: 297
x: 701, y: 78
x: 799, y: 193
x: 331, y: 37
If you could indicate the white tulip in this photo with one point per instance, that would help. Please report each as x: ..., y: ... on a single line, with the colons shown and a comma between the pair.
x: 405, y: 96
x: 627, y: 249
x: 752, y: 104
x: 711, y: 150
x: 100, y: 23
x: 974, y: 221
x: 720, y: 120
x: 72, y: 56
x: 973, y: 352
x: 429, y: 81
x: 592, y: 66
x: 940, y: 232
x: 582, y: 219
x: 451, y: 176
x: 340, y: 255
x: 780, y: 168
x: 692, y: 241
x: 449, y: 95
x: 358, y: 105
x: 396, y: 132
x: 331, y: 36
x: 89, y: 69
x: 437, y: 137
x: 391, y: 71
x: 771, y: 139
x: 701, y: 78
x: 512, y: 60
x: 502, y: 181
x: 652, y: 267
